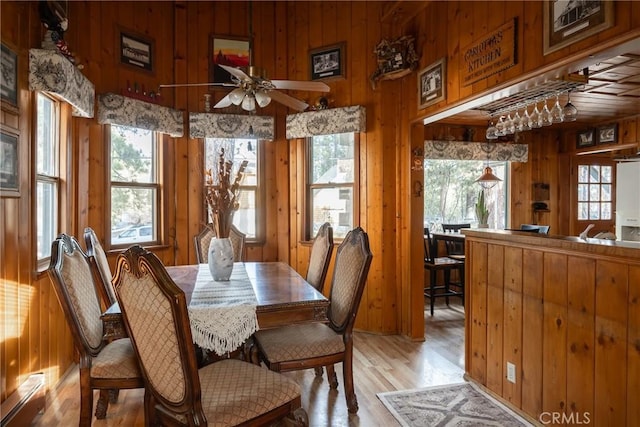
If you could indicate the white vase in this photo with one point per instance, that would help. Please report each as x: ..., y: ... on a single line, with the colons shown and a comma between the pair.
x: 220, y: 258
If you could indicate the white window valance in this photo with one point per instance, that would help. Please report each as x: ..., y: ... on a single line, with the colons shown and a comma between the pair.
x: 50, y: 71
x: 121, y: 110
x: 462, y: 150
x: 327, y: 122
x: 211, y: 125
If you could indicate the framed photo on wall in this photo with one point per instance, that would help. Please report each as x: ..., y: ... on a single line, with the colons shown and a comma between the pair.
x: 9, y: 167
x: 432, y: 84
x: 227, y: 50
x: 9, y: 77
x: 607, y: 134
x: 585, y: 138
x: 567, y: 21
x: 136, y: 51
x: 327, y: 63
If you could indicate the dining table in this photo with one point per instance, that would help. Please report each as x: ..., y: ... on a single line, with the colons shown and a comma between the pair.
x: 282, y: 296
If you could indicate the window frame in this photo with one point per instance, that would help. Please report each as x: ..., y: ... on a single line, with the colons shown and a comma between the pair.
x: 599, y: 183
x: 307, y: 228
x: 59, y: 122
x: 160, y: 147
x: 260, y: 188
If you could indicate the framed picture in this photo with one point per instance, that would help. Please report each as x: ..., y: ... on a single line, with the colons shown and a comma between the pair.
x: 585, y: 138
x: 225, y: 50
x: 327, y: 63
x: 136, y: 51
x: 567, y: 21
x: 607, y: 134
x: 9, y: 77
x: 431, y: 84
x: 9, y: 178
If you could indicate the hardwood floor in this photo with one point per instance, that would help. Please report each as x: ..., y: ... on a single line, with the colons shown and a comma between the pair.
x: 381, y: 363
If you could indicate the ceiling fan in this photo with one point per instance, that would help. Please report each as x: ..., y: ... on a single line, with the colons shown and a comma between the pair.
x: 252, y: 88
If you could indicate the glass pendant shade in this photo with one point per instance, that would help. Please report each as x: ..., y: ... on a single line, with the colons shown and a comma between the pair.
x: 236, y: 96
x: 488, y: 179
x: 249, y: 103
x: 262, y: 99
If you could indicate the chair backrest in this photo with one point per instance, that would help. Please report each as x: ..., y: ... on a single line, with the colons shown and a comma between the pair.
x: 155, y: 312
x: 202, y: 241
x: 353, y: 260
x: 320, y: 256
x: 542, y: 229
x: 454, y: 227
x: 237, y: 238
x: 100, y: 266
x: 73, y: 282
x: 429, y: 249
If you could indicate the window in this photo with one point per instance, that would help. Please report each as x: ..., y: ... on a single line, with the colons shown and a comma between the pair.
x: 451, y: 193
x: 247, y: 217
x: 594, y: 192
x: 331, y: 183
x: 47, y: 173
x: 135, y: 187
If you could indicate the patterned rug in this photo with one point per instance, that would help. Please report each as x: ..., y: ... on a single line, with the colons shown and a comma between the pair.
x: 462, y: 404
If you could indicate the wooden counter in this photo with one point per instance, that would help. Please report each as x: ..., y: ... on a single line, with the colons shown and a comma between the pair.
x: 566, y: 312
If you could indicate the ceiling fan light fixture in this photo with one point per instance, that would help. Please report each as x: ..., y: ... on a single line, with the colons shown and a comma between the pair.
x: 263, y: 99
x: 249, y: 103
x: 236, y: 96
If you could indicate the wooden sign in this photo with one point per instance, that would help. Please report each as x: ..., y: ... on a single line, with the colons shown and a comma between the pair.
x: 493, y: 53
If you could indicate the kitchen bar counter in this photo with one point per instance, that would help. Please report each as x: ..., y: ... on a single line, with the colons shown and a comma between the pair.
x: 566, y: 313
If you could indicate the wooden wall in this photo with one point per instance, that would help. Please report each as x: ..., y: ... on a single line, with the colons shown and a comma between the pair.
x: 283, y: 34
x: 565, y: 314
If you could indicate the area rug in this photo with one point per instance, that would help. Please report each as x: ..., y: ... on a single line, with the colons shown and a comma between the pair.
x: 462, y: 404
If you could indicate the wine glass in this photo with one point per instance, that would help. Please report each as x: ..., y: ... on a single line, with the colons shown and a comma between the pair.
x: 556, y: 112
x: 535, y: 117
x: 491, y: 131
x: 500, y: 127
x: 525, y: 121
x: 509, y: 126
x: 570, y: 111
x: 545, y: 116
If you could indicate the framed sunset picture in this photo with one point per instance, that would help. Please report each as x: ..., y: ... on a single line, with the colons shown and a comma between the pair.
x: 231, y: 51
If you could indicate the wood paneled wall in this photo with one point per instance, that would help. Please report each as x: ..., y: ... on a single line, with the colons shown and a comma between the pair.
x: 565, y: 313
x: 283, y: 34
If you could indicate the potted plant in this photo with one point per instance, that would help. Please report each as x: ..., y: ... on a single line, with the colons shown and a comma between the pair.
x: 482, y: 213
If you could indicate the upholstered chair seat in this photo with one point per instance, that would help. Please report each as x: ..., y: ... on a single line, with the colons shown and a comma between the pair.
x: 299, y: 342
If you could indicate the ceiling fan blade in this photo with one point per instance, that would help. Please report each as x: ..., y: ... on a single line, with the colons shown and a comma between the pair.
x: 224, y: 102
x: 236, y: 72
x: 301, y: 85
x: 287, y: 100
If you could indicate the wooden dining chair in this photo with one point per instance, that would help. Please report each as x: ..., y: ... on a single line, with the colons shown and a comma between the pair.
x: 320, y: 257
x: 237, y: 238
x: 455, y: 249
x: 203, y: 239
x: 311, y: 345
x: 100, y: 268
x: 445, y: 264
x: 103, y: 365
x: 226, y: 393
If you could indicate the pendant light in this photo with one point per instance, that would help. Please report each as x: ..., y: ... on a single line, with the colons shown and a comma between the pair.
x: 488, y: 179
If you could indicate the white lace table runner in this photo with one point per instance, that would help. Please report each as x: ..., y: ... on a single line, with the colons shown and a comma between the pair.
x: 222, y: 314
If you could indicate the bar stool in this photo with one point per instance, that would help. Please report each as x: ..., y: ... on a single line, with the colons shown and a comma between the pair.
x: 446, y: 265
